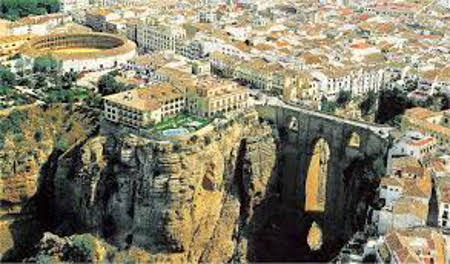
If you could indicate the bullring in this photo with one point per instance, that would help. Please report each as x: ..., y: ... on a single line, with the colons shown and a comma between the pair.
x: 82, y: 51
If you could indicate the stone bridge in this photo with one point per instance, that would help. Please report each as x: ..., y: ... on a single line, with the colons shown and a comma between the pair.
x: 329, y: 169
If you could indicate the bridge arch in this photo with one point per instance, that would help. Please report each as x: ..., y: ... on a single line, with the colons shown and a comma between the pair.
x: 292, y: 123
x: 314, y: 239
x: 316, y: 178
x: 354, y: 140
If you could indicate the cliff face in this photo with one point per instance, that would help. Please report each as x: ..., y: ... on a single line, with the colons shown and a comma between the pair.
x: 230, y: 192
x: 29, y: 137
x: 190, y: 200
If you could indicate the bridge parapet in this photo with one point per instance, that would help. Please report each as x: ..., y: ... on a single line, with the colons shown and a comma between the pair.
x: 269, y: 112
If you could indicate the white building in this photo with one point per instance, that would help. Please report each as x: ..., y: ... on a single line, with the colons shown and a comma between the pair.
x: 359, y: 81
x: 391, y: 190
x: 206, y: 16
x: 405, y: 213
x: 38, y: 25
x: 192, y: 50
x: 444, y: 3
x: 159, y: 37
x: 414, y: 144
x: 406, y: 203
x: 72, y: 5
x: 443, y: 198
x: 212, y: 44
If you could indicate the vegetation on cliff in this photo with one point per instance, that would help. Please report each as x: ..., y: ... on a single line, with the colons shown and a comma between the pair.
x: 8, y: 95
x: 393, y: 103
x: 31, y: 138
x: 109, y: 85
x: 15, y: 9
x: 32, y: 127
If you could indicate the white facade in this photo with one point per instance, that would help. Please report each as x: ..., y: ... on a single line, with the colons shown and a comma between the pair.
x: 38, y: 25
x: 390, y: 193
x: 444, y: 215
x: 366, y: 80
x: 207, y: 16
x: 159, y: 37
x: 71, y: 5
x: 414, y: 144
x: 388, y: 220
x: 211, y: 45
x: 96, y: 64
x: 444, y: 3
x: 358, y: 82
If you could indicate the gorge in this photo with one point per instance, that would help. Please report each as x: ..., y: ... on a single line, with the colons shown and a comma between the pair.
x: 247, y: 188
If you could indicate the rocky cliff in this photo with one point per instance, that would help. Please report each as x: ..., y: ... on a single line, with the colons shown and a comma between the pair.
x: 231, y: 191
x: 29, y: 138
x: 191, y: 199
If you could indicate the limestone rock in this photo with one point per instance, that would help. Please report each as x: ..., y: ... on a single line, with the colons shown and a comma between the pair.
x: 173, y: 203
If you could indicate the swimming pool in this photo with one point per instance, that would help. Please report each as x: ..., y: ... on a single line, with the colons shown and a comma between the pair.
x: 175, y: 132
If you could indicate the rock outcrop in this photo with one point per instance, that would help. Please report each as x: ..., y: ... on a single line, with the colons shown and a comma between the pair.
x: 188, y: 200
x: 30, y: 138
x: 230, y: 192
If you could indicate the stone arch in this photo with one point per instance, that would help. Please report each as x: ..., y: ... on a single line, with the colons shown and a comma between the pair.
x: 314, y: 238
x: 316, y: 178
x: 292, y: 123
x: 354, y: 140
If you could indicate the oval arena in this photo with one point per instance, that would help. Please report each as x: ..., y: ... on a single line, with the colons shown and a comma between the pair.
x: 82, y: 51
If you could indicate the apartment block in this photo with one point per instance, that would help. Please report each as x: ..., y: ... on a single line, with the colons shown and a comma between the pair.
x: 151, y: 36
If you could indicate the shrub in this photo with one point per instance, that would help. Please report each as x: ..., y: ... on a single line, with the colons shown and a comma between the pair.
x: 7, y: 78
x: 62, y: 144
x: 207, y: 140
x: 45, y: 64
x: 343, y: 98
x: 368, y: 103
x: 38, y: 135
x: 80, y: 250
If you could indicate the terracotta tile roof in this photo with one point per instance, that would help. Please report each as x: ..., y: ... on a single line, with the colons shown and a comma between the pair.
x: 407, y: 243
x: 443, y: 189
x: 421, y: 142
x: 404, y: 162
x: 420, y: 113
x: 145, y: 99
x: 438, y: 165
x: 397, y: 246
x: 391, y: 181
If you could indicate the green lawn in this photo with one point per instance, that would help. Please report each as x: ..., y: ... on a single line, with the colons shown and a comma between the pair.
x: 180, y: 121
x: 81, y: 94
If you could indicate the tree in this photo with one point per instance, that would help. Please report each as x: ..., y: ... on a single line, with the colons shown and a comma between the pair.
x: 38, y: 135
x: 80, y: 250
x: 62, y: 144
x: 4, y: 90
x: 327, y: 106
x: 20, y: 65
x: 7, y: 78
x: 391, y: 104
x: 368, y: 103
x: 445, y: 102
x: 46, y: 64
x: 108, y: 85
x: 15, y: 9
x: 343, y: 98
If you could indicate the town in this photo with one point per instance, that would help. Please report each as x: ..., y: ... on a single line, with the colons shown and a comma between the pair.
x: 164, y: 69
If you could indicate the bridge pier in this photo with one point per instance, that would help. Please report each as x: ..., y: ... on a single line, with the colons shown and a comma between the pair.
x: 355, y: 148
